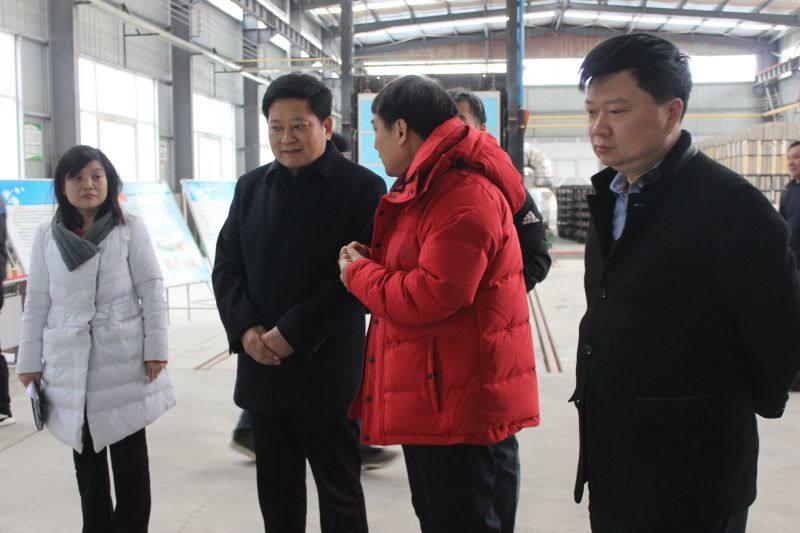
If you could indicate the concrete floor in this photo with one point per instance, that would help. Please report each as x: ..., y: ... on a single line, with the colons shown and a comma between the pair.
x: 199, y: 485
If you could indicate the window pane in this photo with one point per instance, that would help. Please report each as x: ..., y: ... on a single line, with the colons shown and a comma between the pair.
x: 118, y: 141
x: 147, y: 152
x: 8, y: 69
x: 145, y: 100
x: 209, y: 158
x: 87, y: 85
x: 200, y: 112
x: 723, y: 69
x: 116, y: 91
x: 561, y: 71
x: 9, y: 149
x: 88, y: 128
x: 227, y: 167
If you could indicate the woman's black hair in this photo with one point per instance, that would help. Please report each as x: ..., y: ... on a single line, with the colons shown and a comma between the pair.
x: 70, y: 164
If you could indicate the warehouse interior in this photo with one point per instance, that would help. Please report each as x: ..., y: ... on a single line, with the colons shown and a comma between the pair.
x: 171, y: 91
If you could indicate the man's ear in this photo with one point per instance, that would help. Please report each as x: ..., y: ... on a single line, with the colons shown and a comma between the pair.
x: 674, y: 113
x: 327, y: 127
x: 401, y: 131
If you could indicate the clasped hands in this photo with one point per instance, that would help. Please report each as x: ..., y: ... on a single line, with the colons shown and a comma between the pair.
x: 269, y: 347
x: 266, y: 347
x: 349, y: 254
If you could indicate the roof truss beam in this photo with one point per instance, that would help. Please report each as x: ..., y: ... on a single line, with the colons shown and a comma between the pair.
x: 754, y: 44
x: 785, y: 20
x: 271, y: 20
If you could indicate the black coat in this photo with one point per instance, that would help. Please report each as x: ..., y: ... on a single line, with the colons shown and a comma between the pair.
x: 533, y: 243
x: 276, y: 264
x: 691, y: 328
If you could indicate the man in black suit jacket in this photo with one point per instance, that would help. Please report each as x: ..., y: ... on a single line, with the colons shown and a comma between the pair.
x: 693, y: 309
x: 298, y: 332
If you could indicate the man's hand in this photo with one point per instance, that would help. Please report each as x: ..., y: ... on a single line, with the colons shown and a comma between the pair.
x: 256, y: 349
x: 349, y: 254
x: 276, y: 343
x: 28, y: 377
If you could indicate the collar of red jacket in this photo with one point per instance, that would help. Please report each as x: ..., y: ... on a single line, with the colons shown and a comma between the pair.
x: 453, y: 144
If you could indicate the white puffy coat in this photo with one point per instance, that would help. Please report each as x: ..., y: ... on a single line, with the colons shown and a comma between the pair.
x: 91, y: 330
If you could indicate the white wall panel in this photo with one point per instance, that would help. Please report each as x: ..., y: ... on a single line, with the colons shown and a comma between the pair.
x: 25, y: 17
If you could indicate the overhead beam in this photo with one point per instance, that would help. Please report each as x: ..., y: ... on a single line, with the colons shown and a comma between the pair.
x: 271, y: 20
x: 748, y: 43
x: 316, y: 4
x: 786, y: 20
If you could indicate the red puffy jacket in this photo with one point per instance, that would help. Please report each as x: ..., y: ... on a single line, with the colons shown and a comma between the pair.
x: 449, y: 356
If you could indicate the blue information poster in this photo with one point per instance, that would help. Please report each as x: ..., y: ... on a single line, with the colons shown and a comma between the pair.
x: 31, y: 202
x: 178, y: 255
x: 209, y: 203
x: 28, y: 204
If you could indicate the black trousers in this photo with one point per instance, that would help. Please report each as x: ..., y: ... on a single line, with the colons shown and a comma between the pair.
x: 601, y: 523
x: 506, y: 482
x: 131, y: 483
x: 5, y: 399
x: 330, y: 445
x: 452, y: 488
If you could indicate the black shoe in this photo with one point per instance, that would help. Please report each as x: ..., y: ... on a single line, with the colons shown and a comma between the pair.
x: 796, y: 385
x: 244, y: 443
x: 373, y: 457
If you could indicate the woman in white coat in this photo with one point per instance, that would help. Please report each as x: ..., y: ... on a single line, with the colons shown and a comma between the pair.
x: 94, y: 334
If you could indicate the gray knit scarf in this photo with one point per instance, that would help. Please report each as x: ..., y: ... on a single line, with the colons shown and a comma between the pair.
x: 75, y: 250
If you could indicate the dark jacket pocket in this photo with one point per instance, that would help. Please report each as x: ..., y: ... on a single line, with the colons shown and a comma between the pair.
x: 680, y: 410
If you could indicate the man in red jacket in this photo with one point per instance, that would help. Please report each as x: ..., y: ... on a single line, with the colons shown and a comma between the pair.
x: 449, y: 367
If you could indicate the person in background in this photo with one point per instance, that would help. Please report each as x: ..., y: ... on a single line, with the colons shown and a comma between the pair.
x: 298, y: 334
x: 6, y: 417
x: 532, y: 233
x: 790, y: 210
x: 693, y: 306
x: 790, y: 199
x: 450, y: 368
x: 94, y: 336
x: 535, y: 265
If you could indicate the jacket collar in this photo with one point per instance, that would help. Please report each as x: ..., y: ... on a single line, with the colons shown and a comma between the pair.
x: 680, y: 153
x: 416, y: 179
x: 453, y: 144
x: 324, y: 166
x: 601, y: 203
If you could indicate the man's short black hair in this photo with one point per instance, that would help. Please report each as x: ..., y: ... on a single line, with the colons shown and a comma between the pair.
x: 421, y: 101
x: 796, y: 143
x: 658, y: 66
x: 475, y: 105
x: 303, y: 87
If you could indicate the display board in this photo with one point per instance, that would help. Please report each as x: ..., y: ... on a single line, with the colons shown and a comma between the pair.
x: 178, y: 255
x: 368, y: 155
x: 31, y: 202
x: 28, y: 204
x: 209, y: 203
